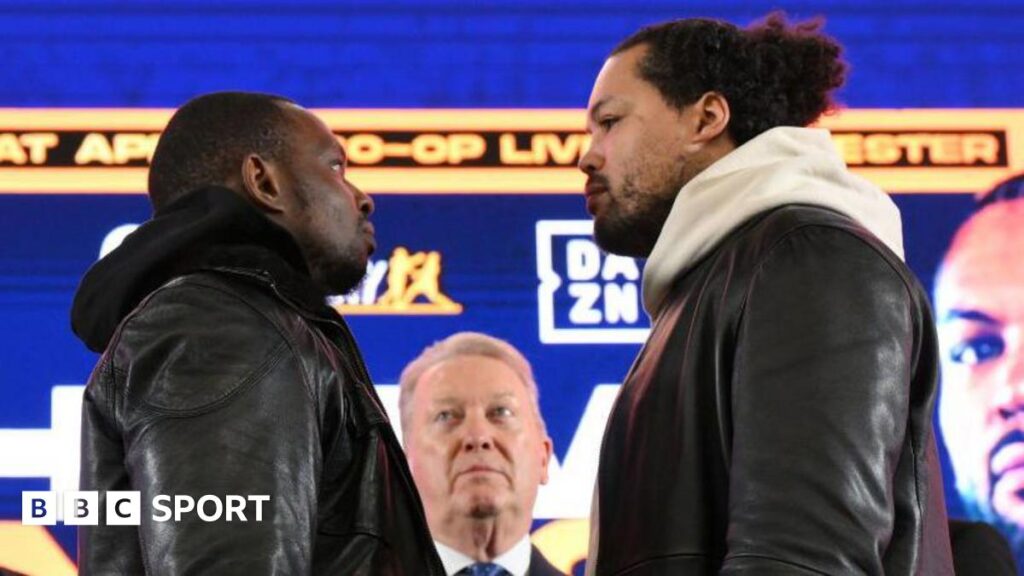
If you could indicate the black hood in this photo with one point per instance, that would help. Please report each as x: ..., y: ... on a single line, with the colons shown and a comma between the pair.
x: 182, y: 237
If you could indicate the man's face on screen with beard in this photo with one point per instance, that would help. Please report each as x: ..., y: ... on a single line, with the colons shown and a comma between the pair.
x: 979, y: 303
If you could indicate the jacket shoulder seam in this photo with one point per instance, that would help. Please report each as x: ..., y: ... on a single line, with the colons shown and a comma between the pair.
x: 275, y: 355
x: 272, y: 359
x: 307, y: 380
x: 832, y: 227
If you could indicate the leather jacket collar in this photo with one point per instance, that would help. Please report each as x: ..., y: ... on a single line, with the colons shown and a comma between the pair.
x: 211, y: 228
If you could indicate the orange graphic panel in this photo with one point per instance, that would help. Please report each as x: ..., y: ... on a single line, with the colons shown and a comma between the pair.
x: 32, y: 551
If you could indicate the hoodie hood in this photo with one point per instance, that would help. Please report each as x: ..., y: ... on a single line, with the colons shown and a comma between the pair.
x: 784, y: 165
x: 169, y: 245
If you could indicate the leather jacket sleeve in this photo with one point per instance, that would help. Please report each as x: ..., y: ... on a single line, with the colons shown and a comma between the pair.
x: 212, y: 404
x: 820, y: 397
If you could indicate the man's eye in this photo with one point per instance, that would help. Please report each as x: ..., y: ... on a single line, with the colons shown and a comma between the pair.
x: 607, y: 122
x: 977, y: 350
x: 444, y: 416
x: 338, y: 166
x: 502, y: 412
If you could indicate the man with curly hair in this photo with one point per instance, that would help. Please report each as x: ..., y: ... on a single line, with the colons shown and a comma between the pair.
x: 778, y: 419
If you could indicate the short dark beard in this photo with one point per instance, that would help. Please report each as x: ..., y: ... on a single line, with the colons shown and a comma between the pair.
x: 635, y: 234
x: 483, y: 511
x: 336, y: 275
x: 974, y: 510
x: 1013, y: 533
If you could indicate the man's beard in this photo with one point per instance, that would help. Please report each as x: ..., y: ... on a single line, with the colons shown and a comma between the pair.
x: 338, y: 277
x: 989, y: 512
x: 334, y: 269
x: 633, y: 219
x: 978, y: 503
x: 338, y: 273
x: 483, y: 510
x: 975, y: 510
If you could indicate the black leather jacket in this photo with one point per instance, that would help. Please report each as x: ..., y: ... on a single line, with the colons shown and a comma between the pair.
x: 778, y: 419
x: 232, y: 377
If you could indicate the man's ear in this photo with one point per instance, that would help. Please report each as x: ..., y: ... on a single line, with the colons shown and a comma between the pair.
x: 547, y: 448
x: 261, y: 184
x: 711, y: 116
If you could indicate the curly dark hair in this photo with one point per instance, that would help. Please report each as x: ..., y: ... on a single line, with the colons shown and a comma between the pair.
x: 772, y: 73
x: 208, y: 138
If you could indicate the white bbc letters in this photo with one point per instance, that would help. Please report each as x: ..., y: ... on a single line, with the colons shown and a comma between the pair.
x: 124, y: 508
x: 81, y: 508
x: 39, y: 508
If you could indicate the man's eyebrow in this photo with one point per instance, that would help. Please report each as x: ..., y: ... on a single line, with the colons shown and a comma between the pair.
x: 972, y: 315
x: 596, y: 109
x: 340, y: 150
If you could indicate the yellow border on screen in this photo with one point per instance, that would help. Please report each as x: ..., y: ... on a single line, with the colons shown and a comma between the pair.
x: 501, y: 179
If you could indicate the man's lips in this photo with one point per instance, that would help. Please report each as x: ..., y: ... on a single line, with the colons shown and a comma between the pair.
x: 1008, y: 457
x: 369, y: 232
x: 593, y: 189
x: 479, y: 469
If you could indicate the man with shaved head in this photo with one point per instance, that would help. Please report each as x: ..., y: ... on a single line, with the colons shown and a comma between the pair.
x: 224, y: 371
x: 979, y: 305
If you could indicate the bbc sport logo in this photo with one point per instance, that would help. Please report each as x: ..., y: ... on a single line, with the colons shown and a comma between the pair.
x: 124, y: 508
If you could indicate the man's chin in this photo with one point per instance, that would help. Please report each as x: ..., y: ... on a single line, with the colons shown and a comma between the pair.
x: 982, y: 509
x: 623, y: 240
x: 341, y: 278
x: 1013, y: 531
x: 483, y: 510
x: 481, y: 503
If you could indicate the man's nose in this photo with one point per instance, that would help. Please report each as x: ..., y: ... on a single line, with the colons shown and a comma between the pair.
x: 478, y: 434
x: 592, y: 160
x: 363, y: 201
x: 1010, y: 397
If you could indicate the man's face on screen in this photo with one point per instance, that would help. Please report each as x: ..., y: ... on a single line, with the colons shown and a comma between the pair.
x: 979, y: 303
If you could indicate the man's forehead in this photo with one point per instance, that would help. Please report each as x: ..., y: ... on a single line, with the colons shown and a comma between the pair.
x: 310, y: 127
x: 607, y: 86
x: 991, y: 239
x: 296, y: 114
x: 1005, y: 218
x: 624, y: 65
x: 470, y: 376
x: 447, y: 397
x: 607, y: 101
x: 982, y: 274
x: 618, y: 79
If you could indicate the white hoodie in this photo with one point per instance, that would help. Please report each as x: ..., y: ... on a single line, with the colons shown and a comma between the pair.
x: 784, y: 165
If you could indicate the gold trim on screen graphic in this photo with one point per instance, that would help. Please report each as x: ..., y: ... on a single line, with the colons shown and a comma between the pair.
x: 479, y: 151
